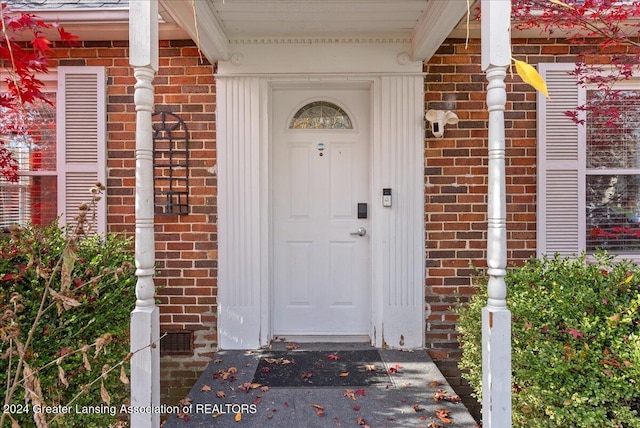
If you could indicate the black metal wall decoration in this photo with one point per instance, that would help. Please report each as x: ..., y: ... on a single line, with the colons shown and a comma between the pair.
x: 170, y: 164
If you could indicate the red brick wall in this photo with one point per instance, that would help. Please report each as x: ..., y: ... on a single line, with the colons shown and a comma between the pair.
x: 186, y: 245
x: 456, y: 181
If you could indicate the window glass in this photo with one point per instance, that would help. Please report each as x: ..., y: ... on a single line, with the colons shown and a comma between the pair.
x: 613, y: 173
x: 31, y: 138
x: 321, y: 115
x: 614, y: 142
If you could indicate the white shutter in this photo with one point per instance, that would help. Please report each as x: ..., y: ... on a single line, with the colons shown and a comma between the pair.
x: 81, y: 134
x: 561, y: 165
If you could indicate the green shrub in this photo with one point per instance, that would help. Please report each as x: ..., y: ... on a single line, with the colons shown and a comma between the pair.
x: 83, y: 326
x: 575, y: 342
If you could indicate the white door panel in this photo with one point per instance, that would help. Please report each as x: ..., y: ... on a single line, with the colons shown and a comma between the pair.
x: 321, y: 283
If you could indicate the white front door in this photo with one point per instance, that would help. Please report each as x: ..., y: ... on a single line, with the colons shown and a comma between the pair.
x: 321, y: 272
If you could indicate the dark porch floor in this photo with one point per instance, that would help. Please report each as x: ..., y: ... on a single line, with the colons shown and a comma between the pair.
x: 407, y: 400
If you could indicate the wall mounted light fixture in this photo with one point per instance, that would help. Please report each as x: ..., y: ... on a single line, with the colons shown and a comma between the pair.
x: 438, y: 119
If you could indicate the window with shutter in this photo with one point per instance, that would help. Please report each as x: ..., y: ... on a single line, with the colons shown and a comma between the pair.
x: 61, y: 150
x: 588, y: 174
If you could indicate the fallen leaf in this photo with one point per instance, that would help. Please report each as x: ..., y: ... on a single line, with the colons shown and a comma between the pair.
x: 627, y: 280
x: 360, y: 421
x: 349, y: 393
x: 530, y: 75
x: 269, y: 415
x: 344, y: 374
x: 356, y: 408
x: 264, y: 388
x: 245, y: 387
x: 319, y: 409
x: 306, y: 375
x: 238, y: 417
x: 217, y: 361
x: 205, y: 388
x: 265, y: 369
x: 123, y: 376
x: 361, y: 392
x: 575, y: 333
x: 104, y: 394
x: 435, y: 383
x: 370, y: 367
x: 292, y: 346
x: 417, y: 408
x: 221, y: 394
x: 61, y: 376
x: 333, y: 357
x: 395, y: 369
x: 443, y: 415
x: 434, y: 424
x: 441, y: 395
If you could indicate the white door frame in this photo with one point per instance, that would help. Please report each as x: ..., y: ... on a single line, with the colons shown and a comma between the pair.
x: 244, y: 101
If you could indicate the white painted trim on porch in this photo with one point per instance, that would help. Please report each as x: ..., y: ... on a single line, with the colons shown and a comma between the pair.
x: 244, y: 212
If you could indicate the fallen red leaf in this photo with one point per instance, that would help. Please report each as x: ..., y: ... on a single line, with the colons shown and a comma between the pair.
x: 395, y: 369
x: 443, y: 415
x: 333, y: 357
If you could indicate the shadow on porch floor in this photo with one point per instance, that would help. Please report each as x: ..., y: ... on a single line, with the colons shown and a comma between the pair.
x: 407, y: 399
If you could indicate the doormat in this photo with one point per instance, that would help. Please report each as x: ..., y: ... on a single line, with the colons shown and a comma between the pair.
x: 319, y: 368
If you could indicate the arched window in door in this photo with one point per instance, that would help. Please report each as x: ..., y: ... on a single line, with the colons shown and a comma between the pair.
x: 321, y: 115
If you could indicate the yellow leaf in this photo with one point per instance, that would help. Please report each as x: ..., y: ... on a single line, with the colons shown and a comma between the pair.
x: 344, y: 374
x: 560, y: 3
x: 531, y: 76
x: 238, y: 417
x: 627, y: 280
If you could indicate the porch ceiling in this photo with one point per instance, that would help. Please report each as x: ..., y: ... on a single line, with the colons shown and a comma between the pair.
x: 423, y: 24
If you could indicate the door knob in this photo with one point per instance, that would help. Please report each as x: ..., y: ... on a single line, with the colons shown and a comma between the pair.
x: 360, y: 232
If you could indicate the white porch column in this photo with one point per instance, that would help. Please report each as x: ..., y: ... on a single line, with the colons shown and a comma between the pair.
x: 145, y: 318
x: 496, y: 318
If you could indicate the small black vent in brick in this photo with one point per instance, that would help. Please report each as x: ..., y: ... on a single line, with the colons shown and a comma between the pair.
x: 177, y: 343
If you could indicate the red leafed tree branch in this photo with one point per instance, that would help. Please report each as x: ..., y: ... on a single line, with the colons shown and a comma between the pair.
x: 21, y: 64
x: 604, y: 26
